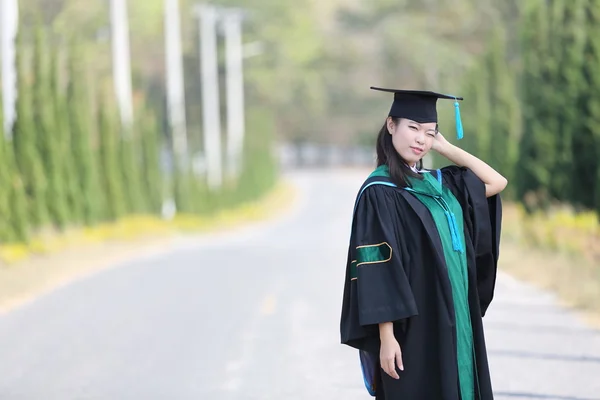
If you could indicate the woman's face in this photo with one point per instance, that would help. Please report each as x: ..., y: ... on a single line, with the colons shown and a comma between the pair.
x: 411, y: 139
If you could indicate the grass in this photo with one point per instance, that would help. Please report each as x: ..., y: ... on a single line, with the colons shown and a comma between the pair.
x: 559, y: 230
x: 559, y: 251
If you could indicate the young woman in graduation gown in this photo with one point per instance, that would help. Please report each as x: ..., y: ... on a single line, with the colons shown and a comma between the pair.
x: 422, y: 261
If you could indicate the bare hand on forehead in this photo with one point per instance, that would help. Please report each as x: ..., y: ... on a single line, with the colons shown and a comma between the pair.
x: 439, y: 143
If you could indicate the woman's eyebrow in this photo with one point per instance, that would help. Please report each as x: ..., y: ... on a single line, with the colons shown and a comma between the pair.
x: 410, y: 121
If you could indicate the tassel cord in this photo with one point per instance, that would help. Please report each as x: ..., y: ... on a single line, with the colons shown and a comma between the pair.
x: 459, y: 126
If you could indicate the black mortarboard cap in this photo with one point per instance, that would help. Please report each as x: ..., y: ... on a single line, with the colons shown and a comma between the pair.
x: 420, y: 106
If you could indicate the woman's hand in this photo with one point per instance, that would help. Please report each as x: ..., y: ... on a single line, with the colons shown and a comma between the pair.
x: 439, y: 142
x: 390, y: 354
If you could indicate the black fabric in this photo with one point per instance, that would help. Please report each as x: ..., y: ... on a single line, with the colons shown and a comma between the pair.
x: 417, y: 105
x: 413, y: 289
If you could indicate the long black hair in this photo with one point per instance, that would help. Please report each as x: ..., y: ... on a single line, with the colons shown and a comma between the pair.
x: 387, y: 155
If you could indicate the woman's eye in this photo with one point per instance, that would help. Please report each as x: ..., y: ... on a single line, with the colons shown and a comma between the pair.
x: 414, y: 128
x: 432, y: 134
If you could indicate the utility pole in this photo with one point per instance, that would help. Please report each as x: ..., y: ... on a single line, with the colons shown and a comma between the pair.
x: 209, y: 73
x: 9, y: 24
x: 175, y: 88
x: 232, y: 24
x: 121, y: 61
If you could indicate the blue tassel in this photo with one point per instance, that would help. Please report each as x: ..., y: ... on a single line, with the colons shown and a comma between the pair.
x: 454, y: 233
x: 452, y: 230
x: 459, y: 127
x: 459, y: 246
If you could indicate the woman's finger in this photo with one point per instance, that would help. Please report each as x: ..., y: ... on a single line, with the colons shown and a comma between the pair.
x: 385, y: 366
x: 392, y: 369
x: 399, y: 360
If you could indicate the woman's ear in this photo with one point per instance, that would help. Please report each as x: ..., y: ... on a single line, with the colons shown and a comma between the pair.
x: 390, y: 125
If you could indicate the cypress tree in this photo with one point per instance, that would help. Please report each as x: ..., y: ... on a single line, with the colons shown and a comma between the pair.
x: 27, y: 153
x: 587, y: 162
x: 66, y: 166
x: 537, y: 145
x: 13, y: 206
x: 130, y: 169
x: 13, y: 202
x: 569, y: 52
x: 150, y: 137
x: 259, y: 171
x: 49, y: 136
x: 80, y: 121
x: 6, y: 172
x: 585, y: 152
x: 111, y: 178
x: 18, y: 202
x: 182, y: 189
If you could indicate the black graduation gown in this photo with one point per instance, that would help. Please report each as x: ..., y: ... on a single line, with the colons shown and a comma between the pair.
x: 413, y: 290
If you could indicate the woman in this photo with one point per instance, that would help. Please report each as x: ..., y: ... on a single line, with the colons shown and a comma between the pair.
x: 422, y: 262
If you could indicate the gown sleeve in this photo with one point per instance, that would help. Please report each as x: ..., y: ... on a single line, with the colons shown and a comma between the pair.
x: 376, y: 287
x: 483, y: 220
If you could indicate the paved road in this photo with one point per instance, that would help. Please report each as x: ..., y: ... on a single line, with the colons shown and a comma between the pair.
x: 254, y: 315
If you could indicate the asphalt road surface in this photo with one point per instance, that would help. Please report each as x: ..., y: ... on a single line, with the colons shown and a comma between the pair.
x: 254, y: 314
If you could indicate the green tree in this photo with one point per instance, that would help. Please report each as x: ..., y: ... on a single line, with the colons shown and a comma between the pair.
x: 50, y: 139
x: 130, y: 168
x: 538, y: 143
x: 66, y: 166
x: 6, y: 174
x: 569, y: 46
x: 27, y: 152
x: 587, y: 145
x: 111, y: 178
x: 13, y: 206
x: 151, y: 143
x: 80, y: 122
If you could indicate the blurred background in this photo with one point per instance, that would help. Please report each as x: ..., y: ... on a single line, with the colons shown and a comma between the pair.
x: 123, y: 115
x: 160, y: 107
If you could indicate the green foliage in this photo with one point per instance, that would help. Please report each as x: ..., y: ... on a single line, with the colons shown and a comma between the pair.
x: 6, y: 231
x: 538, y: 145
x: 18, y: 203
x: 80, y: 123
x: 110, y: 177
x: 27, y: 152
x: 183, y: 182
x: 569, y: 53
x: 13, y: 223
x: 591, y: 105
x: 561, y: 62
x: 131, y: 175
x: 13, y: 205
x: 152, y: 181
x: 63, y: 137
x: 259, y: 170
x: 50, y: 138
